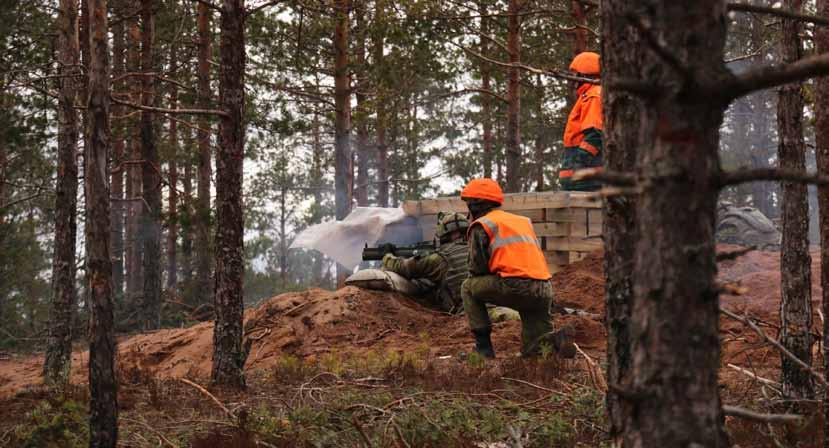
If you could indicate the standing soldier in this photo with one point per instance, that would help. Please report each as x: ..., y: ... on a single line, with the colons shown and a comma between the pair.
x: 442, y: 272
x: 583, y: 133
x: 507, y: 268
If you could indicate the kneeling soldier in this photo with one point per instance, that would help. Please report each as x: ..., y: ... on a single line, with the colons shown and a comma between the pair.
x: 507, y: 268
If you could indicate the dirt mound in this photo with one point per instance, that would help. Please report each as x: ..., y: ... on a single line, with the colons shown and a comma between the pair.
x: 353, y: 322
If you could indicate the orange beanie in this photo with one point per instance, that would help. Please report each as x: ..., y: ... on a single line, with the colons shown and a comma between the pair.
x: 483, y: 189
x: 586, y: 63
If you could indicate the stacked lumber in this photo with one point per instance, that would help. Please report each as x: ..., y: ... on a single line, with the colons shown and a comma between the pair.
x: 568, y: 225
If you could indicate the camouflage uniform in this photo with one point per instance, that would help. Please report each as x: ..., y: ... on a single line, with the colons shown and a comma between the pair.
x: 531, y: 298
x: 441, y: 273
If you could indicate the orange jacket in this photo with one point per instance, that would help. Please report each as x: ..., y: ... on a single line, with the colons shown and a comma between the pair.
x: 586, y: 114
x: 513, y: 246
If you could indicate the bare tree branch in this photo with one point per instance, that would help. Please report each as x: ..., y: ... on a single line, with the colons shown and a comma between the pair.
x: 18, y: 201
x: 779, y: 12
x: 770, y: 76
x: 770, y: 174
x: 263, y: 6
x: 538, y: 71
x: 172, y: 111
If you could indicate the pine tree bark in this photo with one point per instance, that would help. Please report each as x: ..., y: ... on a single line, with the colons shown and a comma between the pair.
x: 59, y: 347
x: 672, y: 398
x: 151, y: 180
x: 118, y: 158
x: 202, y: 217
x: 540, y: 136
x: 621, y: 51
x: 822, y: 159
x: 172, y: 189
x: 343, y: 174
x: 795, y: 261
x: 382, y: 114
x: 580, y: 24
x: 363, y: 80
x: 486, y: 85
x: 134, y: 242
x: 228, y: 354
x: 103, y: 386
x: 318, y: 182
x: 187, y: 222
x: 513, y: 143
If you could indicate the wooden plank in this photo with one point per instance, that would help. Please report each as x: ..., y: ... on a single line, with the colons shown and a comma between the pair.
x: 512, y: 202
x: 536, y: 215
x: 578, y: 256
x: 565, y: 215
x: 582, y: 229
x: 574, y: 243
x: 557, y: 257
x: 551, y: 229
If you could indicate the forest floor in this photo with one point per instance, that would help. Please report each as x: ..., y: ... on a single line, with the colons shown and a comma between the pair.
x: 364, y: 368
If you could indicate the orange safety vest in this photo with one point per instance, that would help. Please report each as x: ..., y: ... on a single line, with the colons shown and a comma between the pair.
x: 513, y: 246
x: 586, y: 114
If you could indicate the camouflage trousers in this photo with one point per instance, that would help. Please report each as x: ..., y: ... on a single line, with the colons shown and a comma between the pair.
x: 531, y: 298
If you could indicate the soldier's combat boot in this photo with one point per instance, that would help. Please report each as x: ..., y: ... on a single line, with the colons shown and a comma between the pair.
x: 561, y: 341
x: 483, y: 343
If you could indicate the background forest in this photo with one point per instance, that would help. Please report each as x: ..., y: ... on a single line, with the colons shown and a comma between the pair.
x: 427, y: 100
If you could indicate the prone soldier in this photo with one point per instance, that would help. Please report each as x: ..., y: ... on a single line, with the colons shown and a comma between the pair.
x: 439, y: 273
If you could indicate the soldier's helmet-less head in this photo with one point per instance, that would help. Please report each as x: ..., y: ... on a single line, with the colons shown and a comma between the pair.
x: 448, y: 223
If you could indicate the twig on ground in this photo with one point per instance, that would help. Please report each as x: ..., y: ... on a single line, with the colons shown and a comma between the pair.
x: 747, y: 414
x: 754, y: 376
x: 209, y: 395
x: 777, y: 345
x: 153, y: 430
x: 593, y: 371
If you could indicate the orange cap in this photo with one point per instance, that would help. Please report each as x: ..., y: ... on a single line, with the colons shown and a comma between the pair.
x: 586, y: 63
x: 483, y: 189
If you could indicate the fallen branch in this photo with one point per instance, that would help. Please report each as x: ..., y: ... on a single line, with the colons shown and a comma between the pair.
x: 746, y: 414
x: 594, y: 371
x: 756, y: 377
x: 209, y: 395
x: 774, y: 342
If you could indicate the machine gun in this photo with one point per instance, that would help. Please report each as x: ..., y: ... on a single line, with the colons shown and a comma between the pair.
x: 377, y: 253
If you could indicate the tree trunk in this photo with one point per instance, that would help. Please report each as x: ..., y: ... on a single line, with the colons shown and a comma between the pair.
x: 172, y: 167
x: 580, y: 24
x: 540, y: 137
x: 134, y: 242
x: 361, y: 190
x: 202, y: 217
x: 228, y: 354
x: 151, y: 180
x: 673, y: 391
x: 486, y: 85
x: 822, y: 159
x: 342, y: 122
x: 318, y: 182
x: 795, y: 261
x: 513, y: 143
x: 187, y: 222
x: 118, y: 158
x: 59, y: 349
x: 620, y: 52
x: 382, y: 114
x: 103, y: 386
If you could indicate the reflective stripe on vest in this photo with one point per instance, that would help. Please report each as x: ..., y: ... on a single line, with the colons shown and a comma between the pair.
x: 513, y: 247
